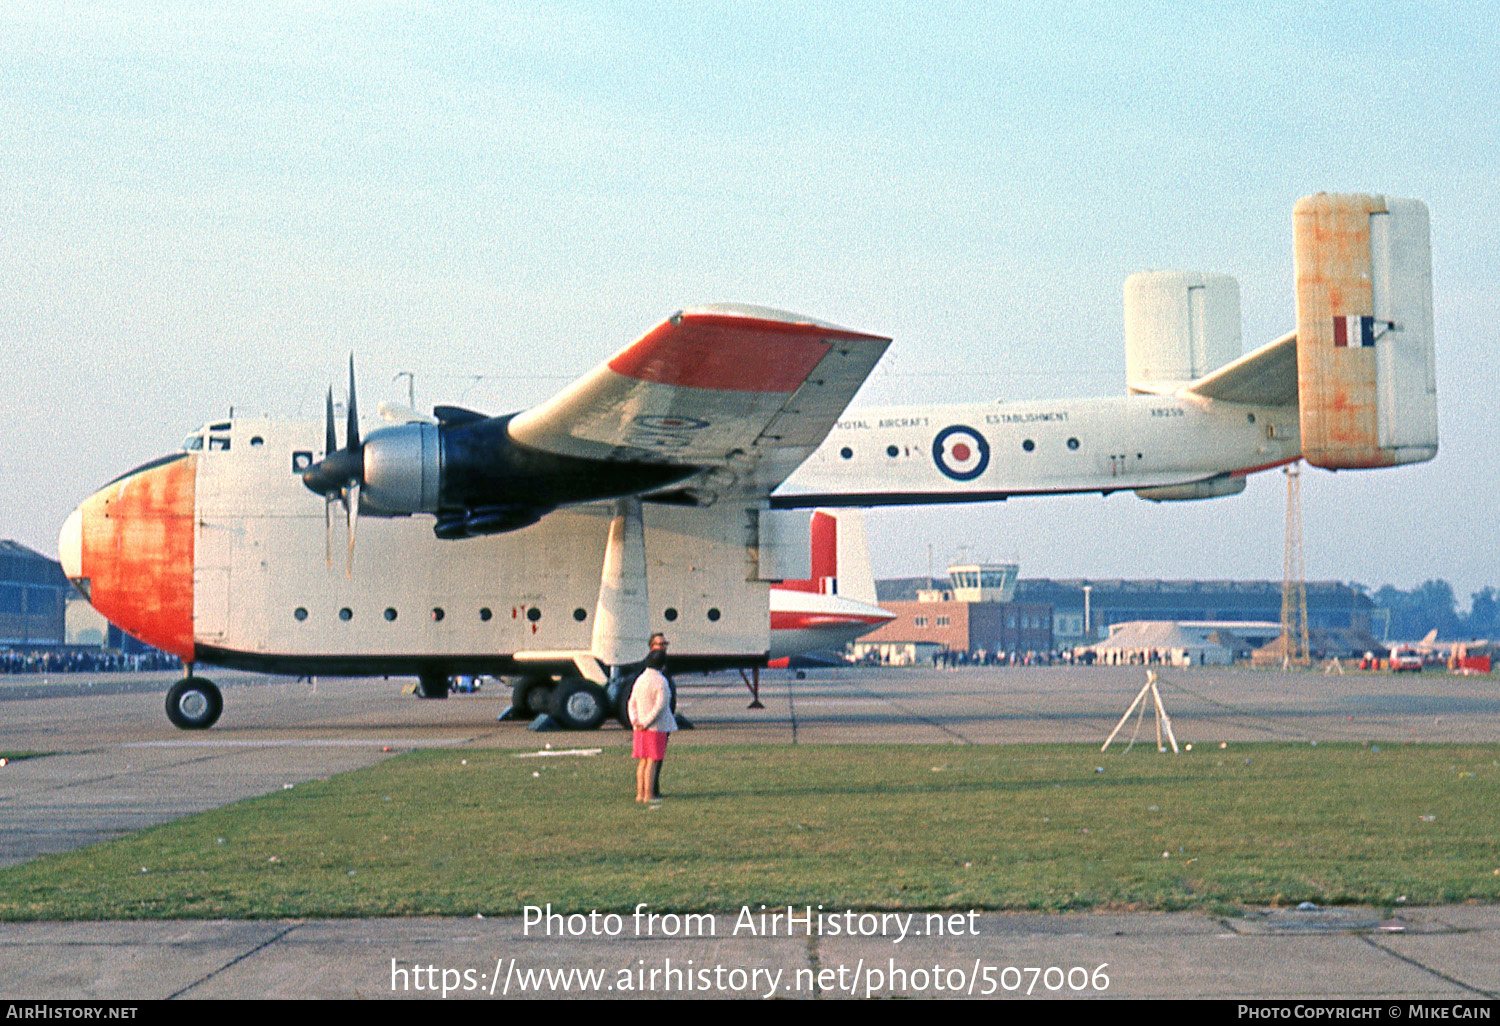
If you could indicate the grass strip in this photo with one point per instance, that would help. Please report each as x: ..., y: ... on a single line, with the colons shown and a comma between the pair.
x: 987, y: 827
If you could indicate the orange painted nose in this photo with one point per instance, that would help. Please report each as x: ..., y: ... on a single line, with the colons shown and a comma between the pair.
x: 129, y: 548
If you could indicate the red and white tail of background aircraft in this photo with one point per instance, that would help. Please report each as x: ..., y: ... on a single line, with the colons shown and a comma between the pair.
x: 837, y: 603
x: 669, y: 488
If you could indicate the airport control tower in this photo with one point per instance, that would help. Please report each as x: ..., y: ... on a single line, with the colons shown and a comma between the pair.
x: 983, y: 582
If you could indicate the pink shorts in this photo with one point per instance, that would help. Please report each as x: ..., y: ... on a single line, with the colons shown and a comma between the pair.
x: 650, y: 744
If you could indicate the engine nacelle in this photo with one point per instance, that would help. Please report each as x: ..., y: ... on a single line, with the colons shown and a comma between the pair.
x: 1179, y: 326
x: 1213, y: 488
x: 477, y: 480
x: 1365, y: 376
x: 402, y: 470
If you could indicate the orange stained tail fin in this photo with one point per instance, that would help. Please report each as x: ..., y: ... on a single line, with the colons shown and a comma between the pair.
x: 1366, y: 383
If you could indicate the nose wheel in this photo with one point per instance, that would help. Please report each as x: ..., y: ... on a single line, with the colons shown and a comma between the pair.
x: 194, y: 704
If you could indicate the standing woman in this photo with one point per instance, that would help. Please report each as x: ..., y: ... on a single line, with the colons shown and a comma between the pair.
x: 651, y: 717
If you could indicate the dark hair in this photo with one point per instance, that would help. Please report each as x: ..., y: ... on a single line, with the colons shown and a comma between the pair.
x: 656, y: 659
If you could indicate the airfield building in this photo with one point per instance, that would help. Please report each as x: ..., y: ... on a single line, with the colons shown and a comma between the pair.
x: 1081, y: 611
x: 974, y: 612
x: 1330, y: 604
x: 33, y: 596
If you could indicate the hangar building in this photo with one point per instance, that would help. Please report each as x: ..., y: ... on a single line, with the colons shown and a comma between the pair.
x: 33, y: 597
x: 1081, y: 611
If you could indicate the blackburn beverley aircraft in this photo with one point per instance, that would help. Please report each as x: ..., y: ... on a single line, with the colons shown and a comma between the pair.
x: 670, y: 487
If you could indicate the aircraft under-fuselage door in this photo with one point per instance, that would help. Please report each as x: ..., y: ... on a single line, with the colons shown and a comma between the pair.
x: 212, y: 551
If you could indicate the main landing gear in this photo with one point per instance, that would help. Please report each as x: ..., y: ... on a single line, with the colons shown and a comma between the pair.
x: 574, y: 703
x: 194, y: 703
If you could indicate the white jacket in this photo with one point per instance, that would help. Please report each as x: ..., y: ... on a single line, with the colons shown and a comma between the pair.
x: 651, y: 702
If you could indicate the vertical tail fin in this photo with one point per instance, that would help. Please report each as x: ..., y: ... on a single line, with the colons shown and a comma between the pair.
x: 839, y: 557
x: 855, y: 579
x: 1366, y: 382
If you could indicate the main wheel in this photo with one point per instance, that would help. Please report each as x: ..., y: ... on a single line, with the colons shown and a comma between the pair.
x: 194, y: 704
x: 579, y: 704
x: 531, y: 696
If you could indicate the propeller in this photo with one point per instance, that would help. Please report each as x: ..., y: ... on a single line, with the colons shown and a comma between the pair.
x: 340, y: 473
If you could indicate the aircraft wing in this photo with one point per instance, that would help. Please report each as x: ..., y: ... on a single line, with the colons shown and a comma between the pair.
x: 1263, y: 377
x: 739, y: 387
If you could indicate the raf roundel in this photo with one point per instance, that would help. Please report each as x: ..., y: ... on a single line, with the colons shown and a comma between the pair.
x: 960, y: 452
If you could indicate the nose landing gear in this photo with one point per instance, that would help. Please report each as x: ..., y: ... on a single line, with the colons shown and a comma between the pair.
x: 194, y: 703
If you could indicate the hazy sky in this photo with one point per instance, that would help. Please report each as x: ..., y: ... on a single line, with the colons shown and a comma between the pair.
x: 207, y: 204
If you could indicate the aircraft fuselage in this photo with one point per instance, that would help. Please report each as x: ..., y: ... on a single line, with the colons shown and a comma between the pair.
x: 976, y: 451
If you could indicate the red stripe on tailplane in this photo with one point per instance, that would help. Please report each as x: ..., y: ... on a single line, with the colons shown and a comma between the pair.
x: 792, y: 620
x: 137, y: 552
x: 729, y: 353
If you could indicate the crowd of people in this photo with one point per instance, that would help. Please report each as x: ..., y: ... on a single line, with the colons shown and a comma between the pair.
x: 73, y: 660
x: 949, y: 659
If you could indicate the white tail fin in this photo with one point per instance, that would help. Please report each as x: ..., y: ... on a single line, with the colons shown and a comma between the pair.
x: 856, y: 581
x: 838, y: 558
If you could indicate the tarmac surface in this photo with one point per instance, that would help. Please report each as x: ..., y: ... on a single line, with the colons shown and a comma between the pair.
x: 118, y: 766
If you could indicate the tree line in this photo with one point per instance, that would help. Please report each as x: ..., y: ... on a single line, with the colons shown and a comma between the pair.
x: 1433, y: 605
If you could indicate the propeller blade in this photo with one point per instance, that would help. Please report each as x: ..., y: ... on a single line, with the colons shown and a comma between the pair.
x: 351, y: 515
x: 340, y: 473
x: 330, y: 438
x: 351, y: 435
x: 328, y: 530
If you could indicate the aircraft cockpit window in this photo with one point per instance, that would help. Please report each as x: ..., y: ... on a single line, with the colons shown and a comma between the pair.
x: 192, y: 443
x: 218, y: 443
x: 221, y: 426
